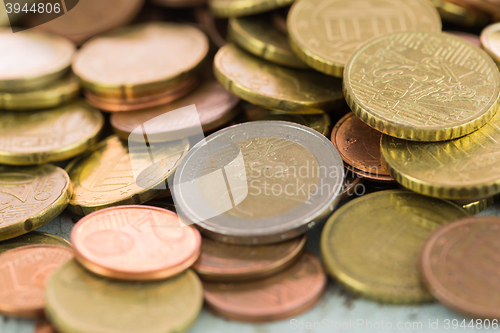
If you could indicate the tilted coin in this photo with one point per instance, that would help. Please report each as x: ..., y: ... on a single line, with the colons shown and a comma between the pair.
x: 167, y: 52
x: 475, y: 206
x: 272, y: 86
x: 104, y: 177
x: 319, y: 122
x: 324, y: 33
x: 258, y: 35
x: 459, y: 265
x: 283, y: 179
x: 33, y: 238
x: 460, y: 169
x: 215, y: 106
x: 471, y: 38
x: 24, y: 272
x: 460, y: 13
x: 30, y: 60
x: 78, y: 301
x: 51, y: 96
x: 490, y: 41
x: 38, y: 137
x: 379, y: 258
x: 137, y: 243
x: 234, y: 8
x: 422, y: 86
x: 231, y: 263
x: 30, y: 197
x: 287, y: 294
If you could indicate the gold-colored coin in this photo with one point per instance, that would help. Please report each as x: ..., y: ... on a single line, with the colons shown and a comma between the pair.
x: 78, y: 301
x: 422, y: 86
x: 476, y: 206
x: 30, y: 60
x: 490, y: 40
x: 168, y: 52
x: 319, y: 122
x: 460, y: 169
x: 458, y: 13
x: 51, y: 96
x: 30, y: 197
x: 259, y: 36
x: 379, y: 258
x: 38, y: 137
x: 272, y: 86
x: 324, y: 33
x: 234, y: 8
x: 104, y: 177
x: 32, y: 238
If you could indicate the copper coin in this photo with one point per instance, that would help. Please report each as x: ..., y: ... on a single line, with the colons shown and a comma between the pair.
x: 216, y: 29
x: 279, y: 19
x: 135, y: 243
x: 215, y: 106
x: 459, y: 264
x: 471, y: 38
x: 373, y: 176
x: 23, y: 274
x: 351, y: 185
x: 44, y: 326
x: 284, y: 295
x: 225, y: 262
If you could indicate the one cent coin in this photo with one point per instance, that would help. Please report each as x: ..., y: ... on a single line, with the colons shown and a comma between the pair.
x: 230, y: 263
x: 39, y: 137
x: 30, y: 197
x: 419, y: 104
x: 459, y: 265
x: 379, y: 258
x: 287, y: 294
x: 135, y: 243
x: 78, y: 301
x: 33, y: 238
x: 24, y: 271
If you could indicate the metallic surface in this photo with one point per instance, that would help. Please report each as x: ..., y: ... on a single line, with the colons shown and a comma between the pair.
x: 458, y: 12
x: 471, y: 38
x: 422, y: 86
x: 221, y: 262
x: 490, y: 41
x: 33, y: 238
x: 371, y: 244
x: 476, y: 206
x: 272, y: 86
x: 352, y: 185
x: 459, y: 266
x: 235, y: 8
x: 284, y: 295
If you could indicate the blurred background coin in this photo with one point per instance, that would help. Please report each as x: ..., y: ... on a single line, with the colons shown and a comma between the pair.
x: 33, y: 238
x: 234, y: 8
x: 490, y: 40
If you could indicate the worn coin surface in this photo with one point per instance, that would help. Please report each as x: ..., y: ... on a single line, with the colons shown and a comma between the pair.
x: 24, y: 272
x: 231, y: 263
x: 258, y: 35
x: 104, y: 177
x: 167, y: 51
x: 234, y: 8
x: 490, y: 41
x: 137, y: 243
x: 324, y: 33
x: 464, y: 253
x: 422, y: 86
x: 379, y: 257
x: 38, y: 137
x: 31, y: 197
x: 272, y: 86
x: 78, y: 301
x: 30, y: 60
x: 215, y: 106
x: 259, y: 182
x: 287, y: 294
x: 33, y: 238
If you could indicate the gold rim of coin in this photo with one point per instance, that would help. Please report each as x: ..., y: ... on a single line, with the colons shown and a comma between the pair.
x: 235, y: 8
x: 477, y: 206
x: 460, y: 13
x: 273, y: 86
x: 31, y: 238
x: 23, y: 189
x: 30, y: 60
x: 165, y: 57
x: 54, y: 95
x: 490, y: 41
x: 388, y: 83
x: 40, y: 137
x: 170, y: 305
x: 379, y: 259
x: 327, y: 46
x: 103, y: 177
x: 258, y: 35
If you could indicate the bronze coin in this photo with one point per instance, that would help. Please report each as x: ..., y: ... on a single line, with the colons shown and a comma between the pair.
x: 225, y: 262
x: 284, y: 295
x: 459, y: 264
x: 351, y: 184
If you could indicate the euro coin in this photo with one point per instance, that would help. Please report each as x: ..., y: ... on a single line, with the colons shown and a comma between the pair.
x: 234, y: 8
x: 490, y: 41
x: 33, y: 238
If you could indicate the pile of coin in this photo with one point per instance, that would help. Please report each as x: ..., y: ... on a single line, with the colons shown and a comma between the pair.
x: 224, y: 159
